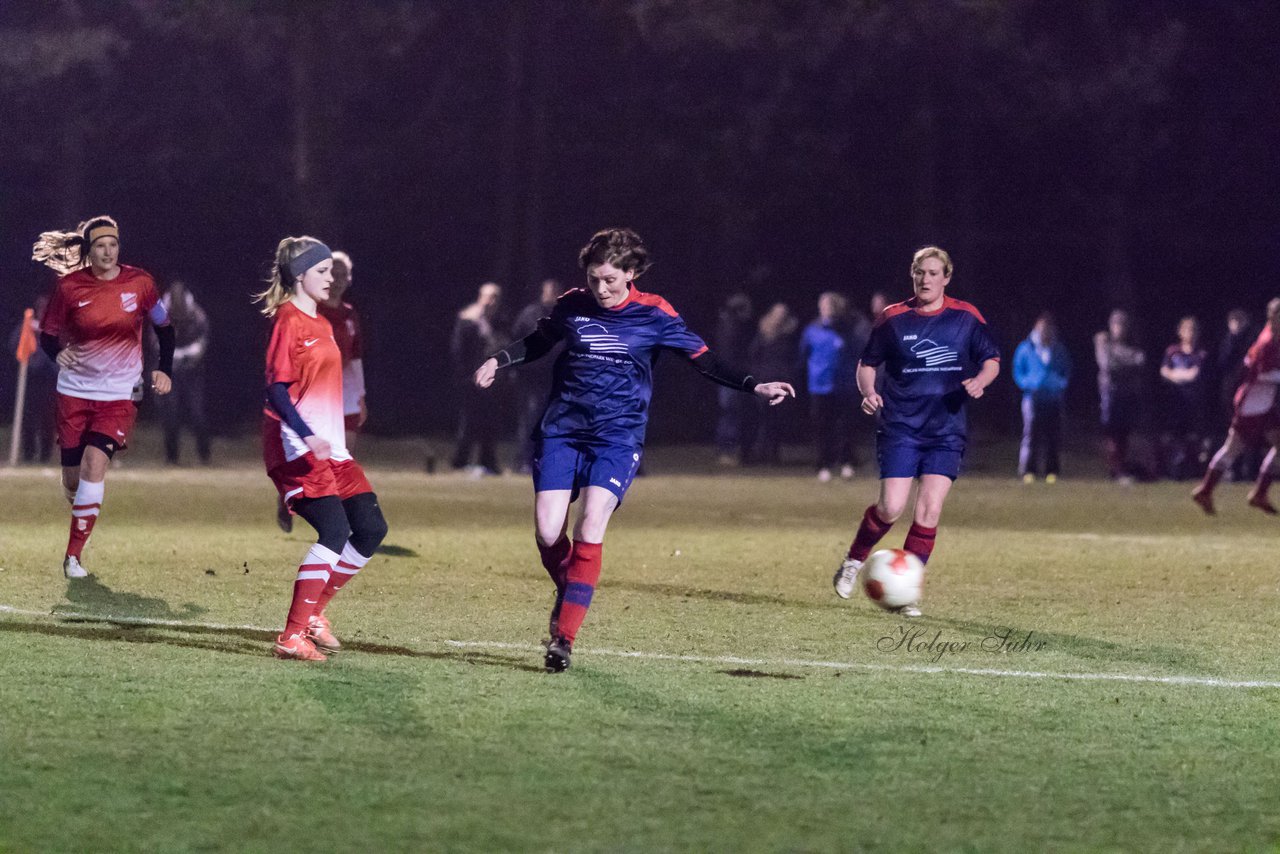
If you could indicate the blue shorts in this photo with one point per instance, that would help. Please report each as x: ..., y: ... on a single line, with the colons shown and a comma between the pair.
x: 564, y: 463
x: 899, y: 458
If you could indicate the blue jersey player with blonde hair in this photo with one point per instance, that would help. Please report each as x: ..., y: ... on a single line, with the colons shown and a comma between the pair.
x: 591, y: 436
x: 937, y: 353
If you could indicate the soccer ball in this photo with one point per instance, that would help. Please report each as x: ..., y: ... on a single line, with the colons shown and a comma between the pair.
x: 893, y: 578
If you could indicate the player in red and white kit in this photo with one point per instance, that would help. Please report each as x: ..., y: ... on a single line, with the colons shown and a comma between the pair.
x: 345, y: 321
x: 93, y: 329
x: 1256, y: 419
x: 304, y: 445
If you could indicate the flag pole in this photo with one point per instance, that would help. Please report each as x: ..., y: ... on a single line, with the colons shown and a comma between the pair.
x: 26, y: 346
x: 19, y: 403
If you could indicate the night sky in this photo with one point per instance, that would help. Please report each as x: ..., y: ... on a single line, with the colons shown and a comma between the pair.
x: 1070, y: 156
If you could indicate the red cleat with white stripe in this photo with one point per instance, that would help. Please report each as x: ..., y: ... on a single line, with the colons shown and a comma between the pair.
x: 296, y: 647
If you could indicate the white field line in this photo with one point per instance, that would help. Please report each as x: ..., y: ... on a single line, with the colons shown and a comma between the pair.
x: 1202, y: 681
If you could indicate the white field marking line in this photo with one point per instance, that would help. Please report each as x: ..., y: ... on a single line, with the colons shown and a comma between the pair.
x: 1204, y: 681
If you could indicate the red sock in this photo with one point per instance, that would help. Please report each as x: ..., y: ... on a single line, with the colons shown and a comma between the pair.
x: 920, y: 541
x: 343, y: 571
x: 84, y: 513
x: 555, y: 558
x: 1211, y: 478
x: 872, y: 529
x: 581, y: 578
x: 1263, y: 484
x: 313, y: 575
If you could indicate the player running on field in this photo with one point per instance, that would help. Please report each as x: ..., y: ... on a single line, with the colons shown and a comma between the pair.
x: 591, y: 435
x: 304, y: 445
x: 93, y: 329
x: 937, y: 353
x: 1256, y: 418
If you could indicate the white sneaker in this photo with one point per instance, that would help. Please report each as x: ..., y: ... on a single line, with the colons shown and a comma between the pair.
x: 71, y: 568
x: 846, y: 472
x: 824, y: 475
x: 908, y: 611
x: 846, y: 578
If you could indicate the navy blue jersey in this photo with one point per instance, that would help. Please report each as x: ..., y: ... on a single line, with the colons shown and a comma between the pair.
x: 603, y: 380
x: 926, y: 357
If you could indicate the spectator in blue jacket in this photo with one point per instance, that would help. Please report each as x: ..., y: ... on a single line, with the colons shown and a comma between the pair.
x: 830, y: 348
x: 1042, y: 369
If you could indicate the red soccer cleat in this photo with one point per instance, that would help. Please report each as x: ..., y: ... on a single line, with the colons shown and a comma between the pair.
x: 1204, y: 498
x: 320, y: 633
x: 1262, y: 503
x: 296, y: 647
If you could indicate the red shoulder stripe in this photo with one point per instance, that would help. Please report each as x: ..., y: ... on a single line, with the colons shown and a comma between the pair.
x: 892, y: 311
x: 961, y: 305
x: 654, y: 300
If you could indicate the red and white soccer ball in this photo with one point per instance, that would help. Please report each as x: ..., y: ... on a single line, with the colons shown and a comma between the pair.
x: 893, y: 578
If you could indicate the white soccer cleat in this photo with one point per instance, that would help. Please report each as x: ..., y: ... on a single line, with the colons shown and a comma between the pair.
x: 824, y: 475
x: 846, y: 578
x: 908, y: 611
x: 71, y: 568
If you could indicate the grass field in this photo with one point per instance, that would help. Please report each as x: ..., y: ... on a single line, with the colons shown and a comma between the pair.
x: 721, y: 697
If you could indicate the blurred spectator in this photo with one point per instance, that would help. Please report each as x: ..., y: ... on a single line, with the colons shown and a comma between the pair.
x: 1229, y: 372
x: 1121, y: 384
x: 349, y: 336
x: 1041, y: 369
x: 1185, y: 384
x: 38, y: 424
x: 535, y: 379
x: 185, y: 406
x: 830, y: 348
x: 733, y: 337
x: 475, y: 339
x: 772, y: 353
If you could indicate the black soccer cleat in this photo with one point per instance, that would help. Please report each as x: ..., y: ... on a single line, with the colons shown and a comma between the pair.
x: 558, y: 651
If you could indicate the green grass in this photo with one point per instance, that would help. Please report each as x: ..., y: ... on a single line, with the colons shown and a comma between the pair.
x: 121, y: 736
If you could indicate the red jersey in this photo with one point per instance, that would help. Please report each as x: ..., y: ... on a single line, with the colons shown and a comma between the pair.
x: 102, y: 319
x: 1257, y: 396
x: 346, y: 331
x: 304, y: 354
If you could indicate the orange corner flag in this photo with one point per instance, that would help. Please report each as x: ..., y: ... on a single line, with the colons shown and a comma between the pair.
x: 27, y: 340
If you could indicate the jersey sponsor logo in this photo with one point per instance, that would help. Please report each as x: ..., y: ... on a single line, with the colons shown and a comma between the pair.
x: 602, y: 341
x: 83, y: 303
x: 934, y: 354
x: 310, y: 342
x: 129, y: 301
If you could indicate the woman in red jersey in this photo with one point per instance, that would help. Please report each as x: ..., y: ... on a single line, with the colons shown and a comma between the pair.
x: 1254, y: 421
x: 93, y: 329
x: 304, y: 445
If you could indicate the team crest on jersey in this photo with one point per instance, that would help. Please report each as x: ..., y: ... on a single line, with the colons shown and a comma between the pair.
x: 601, y: 340
x: 129, y: 301
x: 934, y: 353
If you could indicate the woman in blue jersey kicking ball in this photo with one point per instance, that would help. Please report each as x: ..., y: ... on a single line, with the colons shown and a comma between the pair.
x: 937, y: 353
x: 591, y: 435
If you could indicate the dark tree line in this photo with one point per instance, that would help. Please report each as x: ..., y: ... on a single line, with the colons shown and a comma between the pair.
x: 1071, y: 156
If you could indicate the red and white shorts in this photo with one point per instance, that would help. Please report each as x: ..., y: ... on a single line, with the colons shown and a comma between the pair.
x: 307, y: 477
x: 78, y: 416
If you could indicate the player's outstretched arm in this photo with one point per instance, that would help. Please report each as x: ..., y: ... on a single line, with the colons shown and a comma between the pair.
x: 530, y: 348
x: 775, y: 392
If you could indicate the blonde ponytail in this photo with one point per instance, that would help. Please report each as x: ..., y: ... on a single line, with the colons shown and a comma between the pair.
x: 66, y: 251
x: 279, y: 291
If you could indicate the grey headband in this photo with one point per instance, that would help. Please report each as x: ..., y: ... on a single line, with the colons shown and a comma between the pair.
x: 308, y: 259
